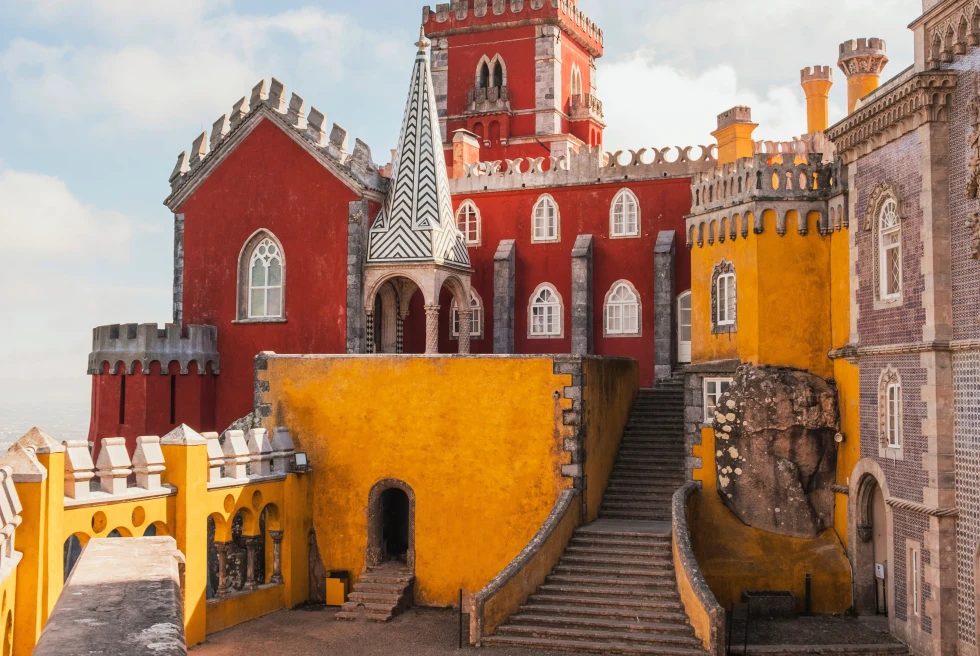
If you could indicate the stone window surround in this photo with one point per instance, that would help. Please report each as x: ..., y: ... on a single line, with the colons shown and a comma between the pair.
x: 561, y: 312
x: 709, y: 421
x: 723, y: 267
x: 490, y: 62
x: 890, y: 376
x: 479, y: 222
x: 474, y: 296
x: 244, y: 260
x: 612, y: 211
x: 639, y: 312
x: 880, y: 194
x: 534, y: 211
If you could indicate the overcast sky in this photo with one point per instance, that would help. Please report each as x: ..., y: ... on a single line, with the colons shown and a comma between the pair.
x: 101, y: 96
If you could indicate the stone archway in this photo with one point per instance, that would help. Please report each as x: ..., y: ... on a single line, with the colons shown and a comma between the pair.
x: 871, y: 539
x: 379, y: 541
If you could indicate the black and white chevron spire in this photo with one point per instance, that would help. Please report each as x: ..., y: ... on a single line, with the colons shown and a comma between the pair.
x: 416, y: 223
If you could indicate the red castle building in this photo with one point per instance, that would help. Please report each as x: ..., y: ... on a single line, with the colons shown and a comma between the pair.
x: 559, y: 247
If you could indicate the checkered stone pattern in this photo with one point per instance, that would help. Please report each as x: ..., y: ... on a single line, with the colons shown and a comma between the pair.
x: 399, y: 334
x: 898, y: 164
x: 965, y: 270
x: 966, y: 383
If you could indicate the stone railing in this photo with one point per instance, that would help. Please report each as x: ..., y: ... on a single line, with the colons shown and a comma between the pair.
x: 487, y: 100
x: 587, y: 166
x: 501, y: 598
x: 146, y: 343
x: 705, y: 614
x: 586, y: 106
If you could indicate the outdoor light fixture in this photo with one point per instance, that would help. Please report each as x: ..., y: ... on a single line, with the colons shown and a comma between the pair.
x: 301, y: 461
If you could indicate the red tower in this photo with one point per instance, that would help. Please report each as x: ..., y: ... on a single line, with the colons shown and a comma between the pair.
x: 519, y: 74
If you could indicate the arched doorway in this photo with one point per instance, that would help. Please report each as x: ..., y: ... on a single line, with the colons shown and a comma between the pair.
x: 871, y: 566
x: 391, y: 523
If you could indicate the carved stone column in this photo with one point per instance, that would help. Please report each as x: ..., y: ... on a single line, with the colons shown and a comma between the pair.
x: 369, y: 332
x: 276, y: 578
x: 252, y: 551
x: 224, y: 586
x: 431, y: 328
x: 400, y: 334
x: 464, y: 331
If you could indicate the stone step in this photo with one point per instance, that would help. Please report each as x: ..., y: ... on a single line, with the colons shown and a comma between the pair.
x: 578, y: 603
x: 606, y: 560
x: 663, y: 640
x: 374, y: 597
x: 677, y: 614
x: 634, y: 573
x: 636, y: 537
x: 635, y: 515
x: 680, y: 628
x: 590, y: 646
x: 603, y: 591
x: 595, y: 578
x: 586, y: 552
x: 380, y: 588
x: 391, y: 579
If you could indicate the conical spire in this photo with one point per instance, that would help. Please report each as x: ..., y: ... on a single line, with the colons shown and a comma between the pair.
x: 416, y: 223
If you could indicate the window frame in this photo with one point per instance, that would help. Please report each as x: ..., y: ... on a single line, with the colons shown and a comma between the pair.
x: 893, y: 415
x: 468, y: 204
x: 710, y: 418
x: 728, y: 306
x: 560, y: 313
x: 547, y: 239
x: 244, y: 282
x: 608, y: 305
x: 477, y: 314
x: 625, y: 194
x: 884, y: 270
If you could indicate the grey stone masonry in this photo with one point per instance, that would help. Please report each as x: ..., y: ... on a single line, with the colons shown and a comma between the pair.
x: 664, y: 331
x: 504, y: 261
x: 179, y: 269
x: 145, y: 343
x: 108, y: 577
x: 582, y: 295
x: 357, y: 235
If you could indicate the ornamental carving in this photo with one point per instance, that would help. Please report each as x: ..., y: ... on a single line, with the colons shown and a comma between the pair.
x: 973, y: 178
x: 974, y: 224
x: 880, y: 193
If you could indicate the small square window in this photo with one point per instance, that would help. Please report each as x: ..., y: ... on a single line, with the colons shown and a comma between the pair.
x: 714, y: 388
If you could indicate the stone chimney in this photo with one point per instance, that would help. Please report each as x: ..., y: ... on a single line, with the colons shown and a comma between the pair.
x: 862, y: 61
x: 466, y: 151
x: 816, y: 83
x: 734, y: 135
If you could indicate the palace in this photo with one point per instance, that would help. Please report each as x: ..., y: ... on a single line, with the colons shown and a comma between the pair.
x: 599, y: 400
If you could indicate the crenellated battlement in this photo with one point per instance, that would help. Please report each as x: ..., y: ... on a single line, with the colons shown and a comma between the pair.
x: 583, y: 167
x: 862, y: 56
x: 309, y: 125
x: 147, y: 343
x: 478, y: 15
x: 816, y: 74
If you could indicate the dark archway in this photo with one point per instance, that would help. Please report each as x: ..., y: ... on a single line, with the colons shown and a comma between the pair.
x: 871, y: 549
x: 391, y: 523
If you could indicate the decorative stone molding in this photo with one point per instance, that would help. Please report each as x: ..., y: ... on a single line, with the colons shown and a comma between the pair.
x: 974, y: 224
x: 145, y: 343
x: 879, y: 195
x: 721, y: 268
x: 375, y: 546
x: 973, y: 179
x: 921, y: 508
x: 840, y: 489
x: 950, y: 29
x: 889, y: 377
x: 862, y: 57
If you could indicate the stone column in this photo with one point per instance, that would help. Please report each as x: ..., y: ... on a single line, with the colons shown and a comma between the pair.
x: 252, y: 554
x: 276, y: 578
x: 369, y: 345
x: 503, y: 297
x: 399, y: 334
x: 357, y: 233
x: 464, y: 331
x: 664, y: 304
x: 224, y: 586
x: 582, y: 296
x: 431, y: 328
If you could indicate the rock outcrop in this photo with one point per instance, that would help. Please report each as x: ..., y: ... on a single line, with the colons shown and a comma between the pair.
x: 775, y: 450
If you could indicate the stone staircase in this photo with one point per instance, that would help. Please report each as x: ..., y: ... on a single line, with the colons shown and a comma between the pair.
x: 614, y: 589
x: 380, y: 594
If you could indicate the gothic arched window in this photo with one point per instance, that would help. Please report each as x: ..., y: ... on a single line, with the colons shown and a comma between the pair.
x: 468, y: 222
x: 545, y: 315
x: 624, y: 215
x: 622, y: 310
x: 890, y: 250
x: 576, y: 86
x: 261, y: 279
x: 545, y: 220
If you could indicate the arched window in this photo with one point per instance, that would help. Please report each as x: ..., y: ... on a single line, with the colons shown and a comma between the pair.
x: 890, y: 409
x: 476, y: 317
x: 622, y: 310
x: 468, y: 222
x: 261, y: 279
x: 498, y: 72
x: 890, y: 250
x: 545, y: 220
x: 545, y: 315
x: 576, y: 85
x: 723, y: 298
x: 483, y: 80
x: 624, y: 215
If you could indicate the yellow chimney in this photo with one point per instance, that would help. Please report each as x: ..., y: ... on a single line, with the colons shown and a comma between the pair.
x: 862, y: 61
x: 734, y: 135
x: 816, y: 83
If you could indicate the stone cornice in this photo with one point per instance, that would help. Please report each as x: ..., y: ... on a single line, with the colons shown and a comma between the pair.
x: 852, y: 352
x: 948, y: 29
x: 921, y: 508
x: 920, y: 99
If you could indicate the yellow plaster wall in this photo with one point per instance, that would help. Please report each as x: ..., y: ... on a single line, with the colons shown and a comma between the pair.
x: 734, y: 557
x: 479, y: 440
x: 697, y: 615
x: 609, y: 395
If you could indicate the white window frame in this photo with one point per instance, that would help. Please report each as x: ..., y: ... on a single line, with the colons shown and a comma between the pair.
x: 690, y: 327
x: 617, y: 310
x: 576, y: 87
x: 890, y: 206
x: 547, y: 233
x: 474, y: 221
x: 476, y: 317
x: 557, y: 308
x: 893, y: 415
x: 725, y: 302
x: 713, y: 396
x: 625, y: 196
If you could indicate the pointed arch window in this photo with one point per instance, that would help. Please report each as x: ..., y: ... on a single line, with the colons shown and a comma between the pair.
x: 483, y: 79
x: 476, y: 317
x: 545, y: 312
x: 890, y: 250
x: 576, y: 86
x: 622, y: 310
x: 890, y: 410
x: 545, y: 220
x: 261, y: 279
x: 624, y: 215
x: 498, y: 72
x: 468, y: 221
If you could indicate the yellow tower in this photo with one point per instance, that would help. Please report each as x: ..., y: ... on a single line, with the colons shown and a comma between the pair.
x: 862, y: 61
x: 816, y: 83
x: 734, y: 135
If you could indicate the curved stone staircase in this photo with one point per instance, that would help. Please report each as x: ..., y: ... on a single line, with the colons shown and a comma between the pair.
x: 614, y: 589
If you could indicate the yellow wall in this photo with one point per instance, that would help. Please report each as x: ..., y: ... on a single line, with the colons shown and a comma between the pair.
x: 734, y: 557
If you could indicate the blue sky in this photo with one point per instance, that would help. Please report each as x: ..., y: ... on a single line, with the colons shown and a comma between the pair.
x: 102, y: 95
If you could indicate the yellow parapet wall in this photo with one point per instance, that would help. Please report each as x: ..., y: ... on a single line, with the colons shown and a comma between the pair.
x: 485, y: 445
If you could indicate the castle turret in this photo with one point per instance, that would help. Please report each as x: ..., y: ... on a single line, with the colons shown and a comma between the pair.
x: 862, y: 61
x: 816, y: 83
x: 734, y: 135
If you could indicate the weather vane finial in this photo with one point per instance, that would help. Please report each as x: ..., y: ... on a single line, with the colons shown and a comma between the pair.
x: 422, y: 43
